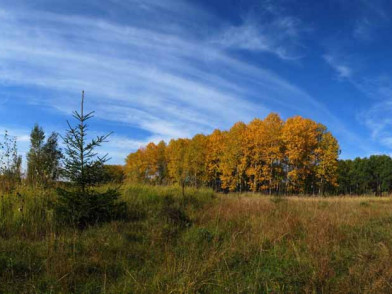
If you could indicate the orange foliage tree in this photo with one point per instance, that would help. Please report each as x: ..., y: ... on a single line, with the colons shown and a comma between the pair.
x: 232, y: 165
x: 270, y: 156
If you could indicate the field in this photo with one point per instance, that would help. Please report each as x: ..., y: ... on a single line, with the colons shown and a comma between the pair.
x: 203, y: 243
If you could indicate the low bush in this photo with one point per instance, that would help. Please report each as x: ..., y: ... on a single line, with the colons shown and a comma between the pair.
x: 82, y: 209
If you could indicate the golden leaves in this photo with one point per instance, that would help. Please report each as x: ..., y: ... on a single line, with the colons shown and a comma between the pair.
x: 268, y: 155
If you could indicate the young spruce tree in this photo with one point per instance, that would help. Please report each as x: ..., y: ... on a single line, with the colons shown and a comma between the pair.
x: 82, y: 205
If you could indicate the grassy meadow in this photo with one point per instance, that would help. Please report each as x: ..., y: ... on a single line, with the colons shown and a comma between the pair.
x: 203, y: 243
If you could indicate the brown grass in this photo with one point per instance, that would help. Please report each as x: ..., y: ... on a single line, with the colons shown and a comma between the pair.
x: 233, y: 244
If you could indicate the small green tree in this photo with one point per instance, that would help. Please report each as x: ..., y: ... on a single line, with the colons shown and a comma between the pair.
x: 34, y: 156
x: 43, y: 158
x: 83, y: 206
x: 53, y: 156
x: 82, y: 165
x: 10, y: 163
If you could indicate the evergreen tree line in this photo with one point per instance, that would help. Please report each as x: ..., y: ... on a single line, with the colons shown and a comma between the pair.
x: 371, y: 175
x: 269, y: 156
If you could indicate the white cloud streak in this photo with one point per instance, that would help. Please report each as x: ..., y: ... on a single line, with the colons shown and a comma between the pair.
x: 277, y: 34
x: 377, y: 117
x: 343, y: 71
x: 157, y: 74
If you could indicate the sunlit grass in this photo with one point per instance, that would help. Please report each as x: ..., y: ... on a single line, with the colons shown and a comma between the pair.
x: 203, y: 243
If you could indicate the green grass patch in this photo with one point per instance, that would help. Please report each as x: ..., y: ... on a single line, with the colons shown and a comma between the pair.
x: 200, y: 243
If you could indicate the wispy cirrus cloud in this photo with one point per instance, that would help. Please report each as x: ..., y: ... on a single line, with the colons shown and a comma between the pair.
x: 151, y: 65
x: 377, y: 120
x: 377, y: 117
x: 267, y: 30
x: 371, y: 16
x: 375, y: 8
x: 145, y: 69
x: 353, y: 64
x: 342, y: 70
x: 363, y: 29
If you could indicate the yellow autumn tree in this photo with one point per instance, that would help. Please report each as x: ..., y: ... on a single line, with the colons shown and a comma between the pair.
x: 231, y: 163
x: 299, y: 136
x: 151, y: 162
x: 269, y: 156
x: 161, y: 162
x: 215, y: 143
x: 195, y: 160
x: 135, y: 167
x: 327, y: 161
x: 142, y: 166
x: 263, y: 153
x: 176, y: 167
x: 272, y: 153
x: 253, y: 152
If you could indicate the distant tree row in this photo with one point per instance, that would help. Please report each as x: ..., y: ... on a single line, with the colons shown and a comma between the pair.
x: 270, y: 156
x: 371, y: 175
x: 44, y: 163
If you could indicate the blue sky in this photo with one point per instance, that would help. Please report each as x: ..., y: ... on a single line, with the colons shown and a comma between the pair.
x: 156, y: 69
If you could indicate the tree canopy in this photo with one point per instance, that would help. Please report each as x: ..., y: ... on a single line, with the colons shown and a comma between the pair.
x: 298, y: 155
x: 43, y: 158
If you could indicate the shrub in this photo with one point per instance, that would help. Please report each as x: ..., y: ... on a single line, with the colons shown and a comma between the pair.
x: 173, y: 213
x: 113, y: 174
x: 90, y: 207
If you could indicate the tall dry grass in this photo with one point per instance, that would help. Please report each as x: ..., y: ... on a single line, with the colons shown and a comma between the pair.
x: 203, y: 243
